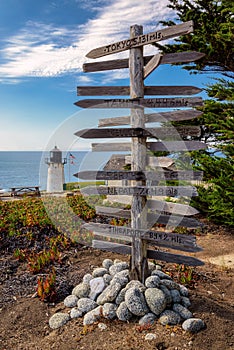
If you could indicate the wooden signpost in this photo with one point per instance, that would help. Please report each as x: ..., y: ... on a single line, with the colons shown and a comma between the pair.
x: 144, y: 211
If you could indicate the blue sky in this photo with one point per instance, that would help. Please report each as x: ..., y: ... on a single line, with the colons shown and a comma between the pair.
x: 42, y: 49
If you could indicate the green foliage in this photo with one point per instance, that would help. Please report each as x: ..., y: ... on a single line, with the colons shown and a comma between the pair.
x: 213, y: 33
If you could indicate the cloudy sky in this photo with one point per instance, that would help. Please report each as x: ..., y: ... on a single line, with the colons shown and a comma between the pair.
x: 42, y: 49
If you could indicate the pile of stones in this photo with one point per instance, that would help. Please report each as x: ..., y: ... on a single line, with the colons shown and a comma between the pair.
x: 109, y: 293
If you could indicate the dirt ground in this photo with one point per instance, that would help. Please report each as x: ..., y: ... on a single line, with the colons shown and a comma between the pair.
x: 24, y: 318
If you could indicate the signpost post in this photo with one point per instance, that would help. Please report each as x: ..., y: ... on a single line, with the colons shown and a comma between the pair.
x: 141, y: 215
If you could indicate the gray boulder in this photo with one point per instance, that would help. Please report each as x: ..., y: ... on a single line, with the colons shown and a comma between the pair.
x: 120, y: 266
x: 193, y: 325
x: 167, y: 294
x: 148, y: 319
x: 184, y: 291
x: 107, y: 278
x: 123, y: 312
x: 121, y: 296
x: 81, y: 290
x: 170, y: 284
x: 135, y: 283
x: 121, y: 277
x: 87, y: 278
x: 161, y: 274
x: 185, y: 302
x: 152, y: 282
x: 109, y: 293
x: 85, y: 305
x: 58, y: 320
x: 107, y: 263
x: 182, y: 311
x: 99, y: 272
x: 75, y: 313
x: 96, y: 287
x: 169, y: 317
x: 70, y: 301
x: 156, y: 300
x: 176, y: 297
x: 92, y: 316
x: 135, y: 302
x: 109, y: 311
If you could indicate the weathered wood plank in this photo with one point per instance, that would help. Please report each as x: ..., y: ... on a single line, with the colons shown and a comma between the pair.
x: 170, y: 207
x: 141, y: 102
x: 159, y: 133
x: 152, y: 218
x: 125, y: 90
x: 169, y: 58
x: 164, y: 162
x: 151, y: 254
x: 167, y: 146
x: 178, y: 115
x: 168, y: 191
x: 141, y: 40
x: 152, y: 65
x: 140, y: 175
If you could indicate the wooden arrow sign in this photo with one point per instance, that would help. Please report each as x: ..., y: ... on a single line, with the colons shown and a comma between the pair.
x: 168, y: 58
x: 168, y: 191
x: 152, y: 65
x: 125, y: 90
x: 178, y: 115
x: 141, y: 103
x: 159, y: 133
x: 166, y: 146
x: 141, y: 40
x: 140, y: 175
x: 151, y: 254
x: 152, y: 218
x: 169, y: 240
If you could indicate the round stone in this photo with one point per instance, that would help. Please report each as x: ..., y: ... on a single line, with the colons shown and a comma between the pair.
x: 169, y: 317
x: 85, y: 305
x: 184, y: 291
x: 121, y: 277
x: 70, y: 301
x: 193, y: 325
x: 150, y: 336
x: 107, y: 279
x: 182, y: 311
x: 156, y: 300
x: 120, y: 266
x: 148, y: 319
x: 92, y: 316
x: 160, y: 274
x: 170, y: 284
x: 97, y: 285
x: 109, y: 293
x: 58, y: 320
x: 109, y: 311
x: 99, y: 272
x: 176, y: 297
x: 135, y: 302
x: 81, y: 290
x: 107, y: 263
x: 152, y: 282
x: 167, y: 294
x: 87, y: 278
x: 123, y: 312
x: 135, y: 283
x: 121, y: 296
x: 75, y: 312
x: 185, y: 302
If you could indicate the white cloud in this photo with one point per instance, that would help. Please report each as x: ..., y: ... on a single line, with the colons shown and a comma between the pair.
x: 48, y: 50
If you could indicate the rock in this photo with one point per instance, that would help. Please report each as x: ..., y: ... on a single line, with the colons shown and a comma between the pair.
x: 96, y: 287
x: 107, y: 278
x: 123, y: 312
x: 99, y: 272
x: 169, y: 317
x: 121, y: 296
x: 160, y: 274
x: 75, y: 313
x: 150, y: 336
x: 120, y: 266
x: 81, y: 290
x: 185, y: 302
x: 184, y: 291
x: 135, y: 302
x: 102, y: 326
x: 92, y: 316
x: 107, y: 263
x: 137, y: 284
x: 156, y: 300
x: 182, y: 311
x: 170, y: 284
x: 87, y: 278
x: 176, y: 297
x: 167, y: 294
x: 85, y: 305
x: 121, y: 277
x: 148, y: 319
x: 116, y: 261
x: 109, y: 293
x: 151, y: 266
x: 58, y: 320
x: 109, y: 311
x: 152, y: 282
x: 70, y: 301
x: 193, y: 325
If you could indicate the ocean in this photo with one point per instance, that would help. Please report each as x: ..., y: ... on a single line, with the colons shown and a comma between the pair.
x: 18, y: 169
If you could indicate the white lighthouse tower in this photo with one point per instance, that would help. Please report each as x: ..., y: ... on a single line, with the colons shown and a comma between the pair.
x: 55, y: 177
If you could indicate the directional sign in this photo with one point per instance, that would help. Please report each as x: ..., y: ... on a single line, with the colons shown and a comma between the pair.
x: 152, y: 218
x: 140, y: 175
x: 159, y: 133
x: 168, y: 58
x: 152, y: 65
x: 178, y: 115
x: 151, y: 254
x: 141, y: 102
x: 166, y: 146
x: 125, y: 90
x: 170, y: 240
x: 145, y: 39
x: 168, y: 191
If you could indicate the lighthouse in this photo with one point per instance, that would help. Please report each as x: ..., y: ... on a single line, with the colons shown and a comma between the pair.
x: 55, y: 177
